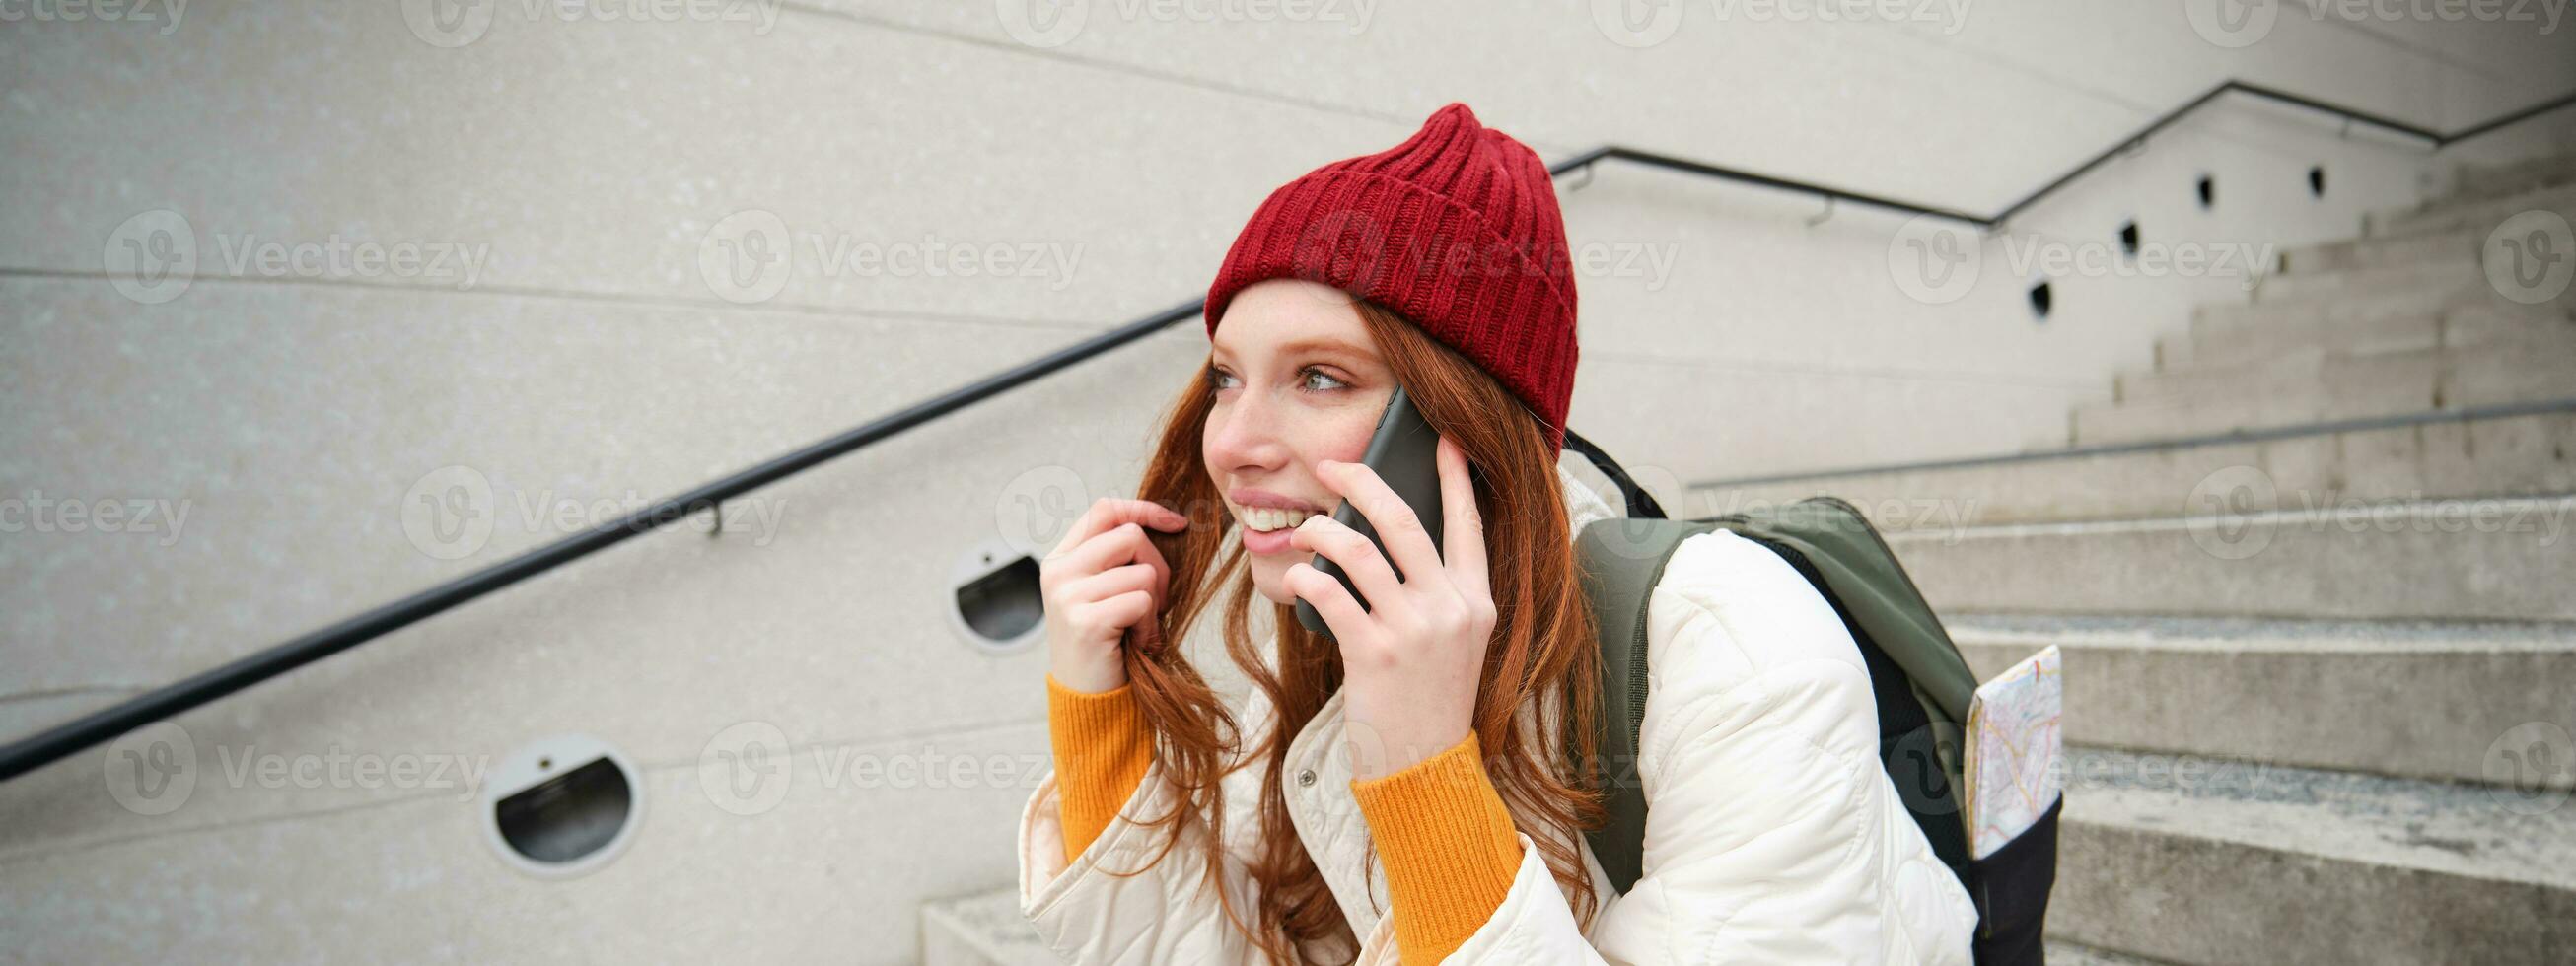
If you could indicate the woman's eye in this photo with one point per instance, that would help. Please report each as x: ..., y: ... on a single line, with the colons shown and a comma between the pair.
x: 1309, y: 379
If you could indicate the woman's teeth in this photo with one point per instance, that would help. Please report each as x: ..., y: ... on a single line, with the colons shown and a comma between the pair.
x: 1266, y: 519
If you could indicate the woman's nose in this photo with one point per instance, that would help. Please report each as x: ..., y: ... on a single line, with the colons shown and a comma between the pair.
x: 1244, y: 435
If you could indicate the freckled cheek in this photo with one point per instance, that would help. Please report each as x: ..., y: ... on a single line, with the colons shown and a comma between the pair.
x: 1344, y: 440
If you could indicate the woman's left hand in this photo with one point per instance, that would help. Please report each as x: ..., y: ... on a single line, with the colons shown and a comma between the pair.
x: 1413, y: 662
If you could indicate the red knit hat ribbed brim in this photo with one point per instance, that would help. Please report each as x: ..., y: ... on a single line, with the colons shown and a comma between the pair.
x: 1456, y: 229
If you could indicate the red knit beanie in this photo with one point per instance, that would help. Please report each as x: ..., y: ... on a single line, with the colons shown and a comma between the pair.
x: 1456, y: 229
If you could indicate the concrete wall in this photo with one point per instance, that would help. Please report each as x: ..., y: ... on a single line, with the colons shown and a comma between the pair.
x: 593, y: 169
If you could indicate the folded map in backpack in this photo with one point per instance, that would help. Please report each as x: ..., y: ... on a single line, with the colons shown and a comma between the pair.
x: 2013, y: 750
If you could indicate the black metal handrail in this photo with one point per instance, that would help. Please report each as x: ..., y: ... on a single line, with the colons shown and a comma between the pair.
x: 26, y: 754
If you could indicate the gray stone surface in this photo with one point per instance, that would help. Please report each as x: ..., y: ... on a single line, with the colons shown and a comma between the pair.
x: 2502, y: 558
x: 2503, y: 456
x: 2247, y: 862
x: 2353, y: 695
x: 2480, y: 215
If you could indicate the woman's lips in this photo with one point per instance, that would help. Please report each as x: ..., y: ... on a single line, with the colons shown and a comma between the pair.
x: 1266, y: 542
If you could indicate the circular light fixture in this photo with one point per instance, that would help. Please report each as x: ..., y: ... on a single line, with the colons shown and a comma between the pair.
x: 561, y: 806
x: 994, y: 601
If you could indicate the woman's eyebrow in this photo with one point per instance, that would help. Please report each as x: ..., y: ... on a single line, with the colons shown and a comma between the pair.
x: 1316, y: 345
x: 1322, y: 345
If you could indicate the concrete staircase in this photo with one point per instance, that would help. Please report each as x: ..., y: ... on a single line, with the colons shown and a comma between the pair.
x: 2313, y: 580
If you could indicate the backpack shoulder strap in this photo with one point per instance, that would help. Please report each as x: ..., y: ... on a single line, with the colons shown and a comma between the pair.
x: 1620, y: 560
x: 1864, y: 575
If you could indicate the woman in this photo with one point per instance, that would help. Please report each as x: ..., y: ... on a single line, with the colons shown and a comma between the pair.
x: 1409, y: 790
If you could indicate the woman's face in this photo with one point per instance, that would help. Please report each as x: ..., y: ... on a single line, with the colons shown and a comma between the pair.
x: 1297, y: 381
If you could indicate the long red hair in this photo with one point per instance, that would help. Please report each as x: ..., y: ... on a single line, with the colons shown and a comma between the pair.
x: 1542, y: 653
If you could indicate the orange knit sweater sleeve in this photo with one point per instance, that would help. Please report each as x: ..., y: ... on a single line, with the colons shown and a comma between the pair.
x: 1101, y: 752
x: 1442, y: 831
x: 1449, y: 847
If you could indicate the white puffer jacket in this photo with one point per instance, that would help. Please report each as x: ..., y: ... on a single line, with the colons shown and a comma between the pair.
x: 1773, y: 835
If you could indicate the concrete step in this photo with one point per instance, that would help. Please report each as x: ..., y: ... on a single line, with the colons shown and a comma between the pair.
x: 2408, y: 699
x: 2452, y: 272
x: 984, y: 929
x: 2369, y: 252
x: 2218, y: 341
x: 2069, y: 954
x: 2308, y: 378
x: 2504, y: 455
x: 2314, y: 387
x: 2419, y: 350
x: 2483, y: 181
x: 2341, y: 388
x: 2373, y: 295
x: 2248, y: 550
x: 2479, y: 215
x: 2199, y: 861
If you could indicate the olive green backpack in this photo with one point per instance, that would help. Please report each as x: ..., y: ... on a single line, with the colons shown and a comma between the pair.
x: 1919, y: 680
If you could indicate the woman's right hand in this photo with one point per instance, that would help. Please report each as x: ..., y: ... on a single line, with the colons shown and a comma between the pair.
x: 1102, y: 580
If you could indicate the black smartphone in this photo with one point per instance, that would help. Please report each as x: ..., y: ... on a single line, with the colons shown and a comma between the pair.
x: 1405, y: 453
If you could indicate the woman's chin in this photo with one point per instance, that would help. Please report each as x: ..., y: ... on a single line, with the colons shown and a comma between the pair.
x: 1270, y: 576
